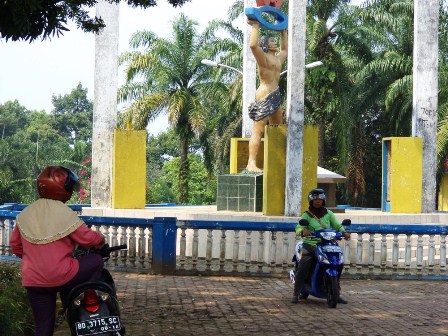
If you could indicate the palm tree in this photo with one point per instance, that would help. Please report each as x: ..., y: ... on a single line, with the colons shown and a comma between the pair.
x: 335, y: 38
x: 167, y: 77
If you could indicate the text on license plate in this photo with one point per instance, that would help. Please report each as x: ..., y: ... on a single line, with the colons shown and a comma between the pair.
x: 332, y: 248
x: 97, y: 326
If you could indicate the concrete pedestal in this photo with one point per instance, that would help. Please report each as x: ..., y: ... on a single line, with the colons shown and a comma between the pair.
x: 240, y: 192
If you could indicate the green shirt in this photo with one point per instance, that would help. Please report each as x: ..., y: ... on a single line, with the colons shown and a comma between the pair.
x: 328, y: 220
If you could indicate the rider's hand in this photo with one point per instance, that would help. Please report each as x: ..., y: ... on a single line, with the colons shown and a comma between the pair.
x: 347, y: 235
x: 305, y: 233
x: 100, y: 245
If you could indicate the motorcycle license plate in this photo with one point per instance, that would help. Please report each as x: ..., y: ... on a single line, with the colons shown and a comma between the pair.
x: 332, y: 249
x: 97, y: 326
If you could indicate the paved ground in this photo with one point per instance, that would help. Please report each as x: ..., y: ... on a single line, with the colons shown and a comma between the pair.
x: 198, y: 305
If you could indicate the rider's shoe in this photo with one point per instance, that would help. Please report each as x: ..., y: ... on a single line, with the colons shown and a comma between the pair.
x: 292, y: 276
x: 341, y: 300
x: 295, y: 299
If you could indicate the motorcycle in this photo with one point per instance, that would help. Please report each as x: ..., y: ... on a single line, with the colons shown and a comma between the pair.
x: 92, y: 307
x: 323, y: 282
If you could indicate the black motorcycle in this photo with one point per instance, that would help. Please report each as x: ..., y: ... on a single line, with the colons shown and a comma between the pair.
x: 92, y: 307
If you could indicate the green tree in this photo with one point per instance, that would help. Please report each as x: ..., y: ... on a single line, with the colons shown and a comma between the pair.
x: 168, y: 77
x: 73, y: 115
x: 12, y: 117
x: 32, y: 19
x: 202, y: 188
x: 25, y: 149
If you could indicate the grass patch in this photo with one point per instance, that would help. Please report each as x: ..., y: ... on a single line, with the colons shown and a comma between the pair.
x: 16, y: 318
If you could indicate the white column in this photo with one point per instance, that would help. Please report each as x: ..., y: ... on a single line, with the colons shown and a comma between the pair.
x: 105, y: 104
x: 250, y: 75
x: 295, y: 106
x: 425, y: 90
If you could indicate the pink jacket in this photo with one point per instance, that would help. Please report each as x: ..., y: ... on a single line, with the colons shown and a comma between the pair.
x: 52, y: 264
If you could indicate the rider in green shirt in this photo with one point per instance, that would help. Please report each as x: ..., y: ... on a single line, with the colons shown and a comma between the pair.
x: 318, y: 218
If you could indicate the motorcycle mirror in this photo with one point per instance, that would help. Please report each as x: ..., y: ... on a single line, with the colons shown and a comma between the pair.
x: 346, y: 222
x: 304, y: 222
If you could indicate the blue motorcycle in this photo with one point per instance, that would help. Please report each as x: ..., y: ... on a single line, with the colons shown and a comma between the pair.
x: 323, y: 282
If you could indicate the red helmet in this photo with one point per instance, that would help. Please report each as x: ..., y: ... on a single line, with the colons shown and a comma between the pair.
x: 57, y: 183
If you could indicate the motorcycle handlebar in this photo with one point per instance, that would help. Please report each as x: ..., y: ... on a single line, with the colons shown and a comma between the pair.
x: 118, y: 247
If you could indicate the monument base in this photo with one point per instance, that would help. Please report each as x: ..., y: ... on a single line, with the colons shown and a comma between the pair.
x: 240, y: 192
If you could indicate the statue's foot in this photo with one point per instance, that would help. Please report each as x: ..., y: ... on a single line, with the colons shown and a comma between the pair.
x: 251, y: 168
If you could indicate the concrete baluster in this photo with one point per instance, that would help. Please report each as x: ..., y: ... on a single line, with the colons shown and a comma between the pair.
x: 195, y: 247
x: 248, y: 254
x: 236, y: 251
x: 261, y: 252
x: 222, y: 251
x: 183, y: 248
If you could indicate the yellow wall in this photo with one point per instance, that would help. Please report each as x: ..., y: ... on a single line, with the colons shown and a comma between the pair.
x: 273, y: 161
x: 129, y: 170
x: 443, y: 193
x: 405, y: 175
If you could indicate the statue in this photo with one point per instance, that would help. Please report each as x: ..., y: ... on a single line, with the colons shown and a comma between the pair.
x: 266, y: 107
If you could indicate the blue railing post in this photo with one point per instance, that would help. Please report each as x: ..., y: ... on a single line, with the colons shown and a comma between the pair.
x: 164, y: 245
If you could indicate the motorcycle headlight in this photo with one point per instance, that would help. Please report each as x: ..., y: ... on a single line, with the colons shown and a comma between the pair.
x: 322, y: 259
x: 328, y: 235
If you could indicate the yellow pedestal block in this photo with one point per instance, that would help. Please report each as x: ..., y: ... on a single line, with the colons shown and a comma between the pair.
x: 129, y: 170
x: 239, y: 154
x: 272, y: 159
x: 402, y: 174
x: 274, y: 173
x: 309, y: 166
x: 443, y: 193
x: 274, y: 170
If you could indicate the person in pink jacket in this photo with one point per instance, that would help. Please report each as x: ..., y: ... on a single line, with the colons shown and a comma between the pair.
x: 44, y: 237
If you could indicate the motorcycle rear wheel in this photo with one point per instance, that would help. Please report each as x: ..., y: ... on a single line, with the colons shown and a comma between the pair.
x: 332, y: 292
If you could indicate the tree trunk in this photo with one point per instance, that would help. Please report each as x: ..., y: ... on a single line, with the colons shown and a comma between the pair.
x: 184, y: 172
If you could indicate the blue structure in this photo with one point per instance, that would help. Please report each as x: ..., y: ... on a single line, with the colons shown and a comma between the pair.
x: 255, y: 13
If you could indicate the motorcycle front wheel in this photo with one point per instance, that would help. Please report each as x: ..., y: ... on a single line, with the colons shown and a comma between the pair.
x: 332, y: 292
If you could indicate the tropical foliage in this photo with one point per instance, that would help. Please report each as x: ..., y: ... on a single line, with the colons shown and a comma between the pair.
x: 33, y: 19
x: 168, y: 77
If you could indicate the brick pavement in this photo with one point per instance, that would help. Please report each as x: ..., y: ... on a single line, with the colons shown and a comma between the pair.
x: 199, y: 305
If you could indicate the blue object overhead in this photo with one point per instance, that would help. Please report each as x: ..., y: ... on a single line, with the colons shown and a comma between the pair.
x: 255, y: 13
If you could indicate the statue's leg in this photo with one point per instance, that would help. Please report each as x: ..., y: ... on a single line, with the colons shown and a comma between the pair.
x: 254, y: 145
x: 276, y: 118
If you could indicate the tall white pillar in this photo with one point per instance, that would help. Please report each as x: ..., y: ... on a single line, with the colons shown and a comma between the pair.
x: 249, y: 77
x: 295, y: 108
x: 425, y: 91
x: 105, y: 104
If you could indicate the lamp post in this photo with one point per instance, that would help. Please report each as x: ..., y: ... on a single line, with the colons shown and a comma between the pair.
x: 307, y: 66
x: 215, y: 64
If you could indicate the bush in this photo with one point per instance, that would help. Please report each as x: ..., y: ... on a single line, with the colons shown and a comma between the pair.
x: 15, y: 312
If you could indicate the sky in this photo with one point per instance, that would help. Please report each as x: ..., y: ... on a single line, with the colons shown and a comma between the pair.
x: 33, y: 72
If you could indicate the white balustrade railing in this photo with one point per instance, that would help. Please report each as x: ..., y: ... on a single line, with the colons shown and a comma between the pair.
x: 255, y: 248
